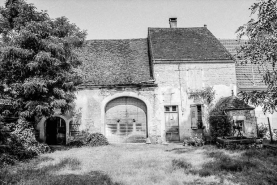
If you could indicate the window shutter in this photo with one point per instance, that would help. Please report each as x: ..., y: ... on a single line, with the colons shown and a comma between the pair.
x: 203, y: 115
x: 194, y: 116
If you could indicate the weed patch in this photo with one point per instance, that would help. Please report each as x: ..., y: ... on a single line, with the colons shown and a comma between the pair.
x: 180, y: 164
x: 46, y: 175
x: 252, y: 167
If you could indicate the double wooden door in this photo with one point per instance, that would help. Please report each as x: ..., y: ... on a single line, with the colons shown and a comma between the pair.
x: 126, y: 120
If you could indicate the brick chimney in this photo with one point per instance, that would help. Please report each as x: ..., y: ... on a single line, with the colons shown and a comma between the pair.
x: 173, y: 22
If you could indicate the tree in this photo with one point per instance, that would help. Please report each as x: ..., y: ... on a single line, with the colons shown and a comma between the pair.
x: 262, y: 52
x: 38, y: 63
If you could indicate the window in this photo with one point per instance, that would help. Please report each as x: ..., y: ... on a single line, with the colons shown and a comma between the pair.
x: 196, y: 113
x: 170, y: 108
x: 173, y: 108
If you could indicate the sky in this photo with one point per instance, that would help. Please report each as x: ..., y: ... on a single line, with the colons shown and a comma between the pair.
x: 126, y: 19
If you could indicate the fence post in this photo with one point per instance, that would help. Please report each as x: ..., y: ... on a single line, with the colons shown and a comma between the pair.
x: 271, y: 139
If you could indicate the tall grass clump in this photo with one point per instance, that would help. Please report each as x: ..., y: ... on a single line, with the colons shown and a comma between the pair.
x: 180, y: 164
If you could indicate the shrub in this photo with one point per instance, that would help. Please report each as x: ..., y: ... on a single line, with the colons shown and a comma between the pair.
x: 75, y: 143
x: 88, y: 139
x: 220, y: 124
x: 194, y: 141
x: 262, y: 130
x: 20, y: 143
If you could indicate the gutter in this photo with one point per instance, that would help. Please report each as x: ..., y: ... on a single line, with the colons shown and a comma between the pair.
x: 93, y: 86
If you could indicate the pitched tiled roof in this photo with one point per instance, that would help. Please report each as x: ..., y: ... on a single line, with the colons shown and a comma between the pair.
x: 249, y: 76
x: 185, y: 44
x: 232, y: 103
x: 110, y: 62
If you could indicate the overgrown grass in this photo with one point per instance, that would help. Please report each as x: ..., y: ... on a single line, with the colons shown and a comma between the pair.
x: 180, y: 164
x: 254, y: 166
x: 141, y: 164
x: 115, y: 164
x: 27, y: 174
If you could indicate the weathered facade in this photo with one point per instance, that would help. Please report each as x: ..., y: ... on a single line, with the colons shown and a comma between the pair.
x: 139, y: 88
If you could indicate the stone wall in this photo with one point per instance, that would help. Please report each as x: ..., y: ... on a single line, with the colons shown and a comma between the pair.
x: 92, y: 103
x: 249, y: 119
x: 174, y: 82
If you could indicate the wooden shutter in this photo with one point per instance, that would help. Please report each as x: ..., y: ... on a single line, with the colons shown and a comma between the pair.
x: 194, y: 116
x: 203, y: 115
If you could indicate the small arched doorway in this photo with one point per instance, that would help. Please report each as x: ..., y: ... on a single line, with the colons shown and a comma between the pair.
x: 126, y: 120
x: 55, y: 131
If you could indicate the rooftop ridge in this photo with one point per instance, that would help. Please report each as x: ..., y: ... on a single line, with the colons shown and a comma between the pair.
x: 175, y: 28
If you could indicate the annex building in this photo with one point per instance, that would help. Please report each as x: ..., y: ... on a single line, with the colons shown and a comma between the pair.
x: 249, y: 79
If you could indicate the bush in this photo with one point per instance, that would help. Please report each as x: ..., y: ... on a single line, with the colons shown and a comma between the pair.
x: 220, y: 124
x: 20, y: 143
x: 88, y: 139
x: 262, y: 129
x: 76, y: 143
x: 194, y: 141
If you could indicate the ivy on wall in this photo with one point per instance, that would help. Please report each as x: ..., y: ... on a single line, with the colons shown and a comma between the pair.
x: 207, y: 95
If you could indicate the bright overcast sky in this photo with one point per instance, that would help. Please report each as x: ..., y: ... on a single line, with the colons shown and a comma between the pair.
x: 123, y: 19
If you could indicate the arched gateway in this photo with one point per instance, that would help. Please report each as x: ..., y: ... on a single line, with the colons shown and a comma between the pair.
x: 126, y: 120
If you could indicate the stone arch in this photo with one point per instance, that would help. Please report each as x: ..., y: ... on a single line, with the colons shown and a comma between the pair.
x: 106, y: 101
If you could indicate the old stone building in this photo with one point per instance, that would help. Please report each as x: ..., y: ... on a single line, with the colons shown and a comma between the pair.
x: 139, y: 88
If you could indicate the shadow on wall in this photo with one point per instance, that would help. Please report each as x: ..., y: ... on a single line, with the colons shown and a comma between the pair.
x: 47, y: 174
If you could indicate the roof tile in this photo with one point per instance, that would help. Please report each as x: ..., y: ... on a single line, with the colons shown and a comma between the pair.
x: 110, y: 62
x: 186, y: 44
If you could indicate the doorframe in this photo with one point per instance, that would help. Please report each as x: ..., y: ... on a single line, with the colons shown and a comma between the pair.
x: 178, y: 113
x: 41, y: 126
x: 66, y: 127
x: 131, y: 95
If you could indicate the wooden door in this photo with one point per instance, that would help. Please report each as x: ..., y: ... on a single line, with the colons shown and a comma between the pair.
x: 172, y: 123
x: 55, y: 131
x: 126, y: 120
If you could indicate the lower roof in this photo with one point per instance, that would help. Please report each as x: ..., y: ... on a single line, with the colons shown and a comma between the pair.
x: 232, y: 103
x: 250, y: 76
x: 110, y: 62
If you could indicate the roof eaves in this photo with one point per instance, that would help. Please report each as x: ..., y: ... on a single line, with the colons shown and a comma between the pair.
x: 93, y: 86
x: 245, y: 108
x: 192, y: 59
x: 252, y: 88
x: 175, y: 28
x: 165, y: 61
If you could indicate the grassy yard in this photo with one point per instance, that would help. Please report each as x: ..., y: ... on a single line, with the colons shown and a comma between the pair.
x: 146, y: 165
